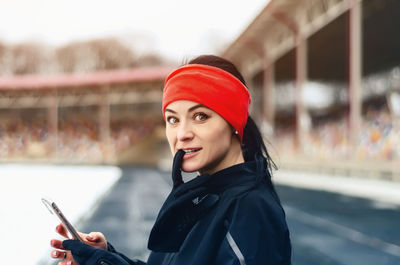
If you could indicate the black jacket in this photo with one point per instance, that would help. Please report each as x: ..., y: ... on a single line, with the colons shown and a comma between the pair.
x: 232, y: 217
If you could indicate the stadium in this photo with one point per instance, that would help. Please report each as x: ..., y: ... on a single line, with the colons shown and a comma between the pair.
x: 328, y: 82
x: 339, y: 106
x: 83, y: 118
x: 324, y: 76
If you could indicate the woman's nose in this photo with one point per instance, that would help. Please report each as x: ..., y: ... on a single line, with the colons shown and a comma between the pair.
x: 185, y: 132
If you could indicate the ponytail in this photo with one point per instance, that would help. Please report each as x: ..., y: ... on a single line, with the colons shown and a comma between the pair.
x: 253, y: 145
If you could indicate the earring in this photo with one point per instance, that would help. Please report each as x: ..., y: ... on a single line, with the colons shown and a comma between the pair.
x: 236, y: 132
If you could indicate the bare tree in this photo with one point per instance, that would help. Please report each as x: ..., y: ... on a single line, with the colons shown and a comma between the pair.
x: 150, y: 60
x: 94, y: 55
x: 5, y: 60
x: 112, y: 54
x: 76, y: 57
x: 27, y: 58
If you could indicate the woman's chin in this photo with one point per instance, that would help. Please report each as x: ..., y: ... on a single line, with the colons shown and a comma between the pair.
x: 190, y: 168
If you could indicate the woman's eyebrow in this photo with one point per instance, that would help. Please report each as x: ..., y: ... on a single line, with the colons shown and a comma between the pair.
x: 170, y: 110
x: 196, y: 107
x: 189, y: 110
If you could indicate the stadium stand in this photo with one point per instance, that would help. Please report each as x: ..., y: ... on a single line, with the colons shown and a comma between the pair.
x: 85, y: 118
x: 324, y: 73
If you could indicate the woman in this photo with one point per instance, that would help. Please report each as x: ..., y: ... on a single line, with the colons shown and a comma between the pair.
x: 230, y: 213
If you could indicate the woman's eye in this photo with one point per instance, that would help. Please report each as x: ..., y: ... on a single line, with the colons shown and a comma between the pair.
x: 200, y: 116
x: 172, y: 120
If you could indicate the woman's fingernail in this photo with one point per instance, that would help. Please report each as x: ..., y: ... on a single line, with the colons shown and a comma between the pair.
x: 69, y: 263
x: 55, y: 254
x: 89, y: 237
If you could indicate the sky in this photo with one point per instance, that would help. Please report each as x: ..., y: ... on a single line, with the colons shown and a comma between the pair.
x: 175, y: 28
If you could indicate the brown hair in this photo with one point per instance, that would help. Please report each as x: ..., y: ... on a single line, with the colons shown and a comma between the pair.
x: 253, y: 146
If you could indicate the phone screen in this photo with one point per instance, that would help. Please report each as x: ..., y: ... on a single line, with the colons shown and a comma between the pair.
x: 53, y: 208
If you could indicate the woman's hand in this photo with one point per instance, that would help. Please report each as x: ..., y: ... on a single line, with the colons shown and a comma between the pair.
x: 95, y: 239
x: 88, y: 255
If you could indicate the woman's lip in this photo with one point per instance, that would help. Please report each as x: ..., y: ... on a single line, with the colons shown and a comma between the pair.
x: 190, y: 148
x: 190, y: 155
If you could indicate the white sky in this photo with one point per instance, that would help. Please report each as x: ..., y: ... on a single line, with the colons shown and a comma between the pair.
x: 175, y: 28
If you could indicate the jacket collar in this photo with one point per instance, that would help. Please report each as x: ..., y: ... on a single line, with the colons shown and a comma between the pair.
x: 189, y: 202
x: 218, y: 182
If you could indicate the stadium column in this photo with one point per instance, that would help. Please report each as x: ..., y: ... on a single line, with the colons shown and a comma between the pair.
x: 301, y: 77
x: 355, y: 72
x: 104, y: 117
x: 52, y: 121
x: 269, y: 96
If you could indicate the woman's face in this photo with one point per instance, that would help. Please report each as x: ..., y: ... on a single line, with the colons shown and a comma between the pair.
x: 205, y: 136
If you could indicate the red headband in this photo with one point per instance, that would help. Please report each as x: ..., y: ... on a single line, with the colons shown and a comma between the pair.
x: 212, y: 87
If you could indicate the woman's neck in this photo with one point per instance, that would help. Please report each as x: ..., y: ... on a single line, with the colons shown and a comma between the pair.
x: 233, y: 157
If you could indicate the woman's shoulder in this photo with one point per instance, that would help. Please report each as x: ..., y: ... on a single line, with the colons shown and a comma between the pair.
x: 260, y: 204
x: 257, y: 225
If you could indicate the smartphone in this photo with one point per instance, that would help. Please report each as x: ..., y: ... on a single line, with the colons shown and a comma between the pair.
x: 53, y: 208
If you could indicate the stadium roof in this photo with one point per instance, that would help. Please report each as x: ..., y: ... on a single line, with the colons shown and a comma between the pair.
x: 96, y: 79
x: 273, y: 32
x: 271, y: 36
